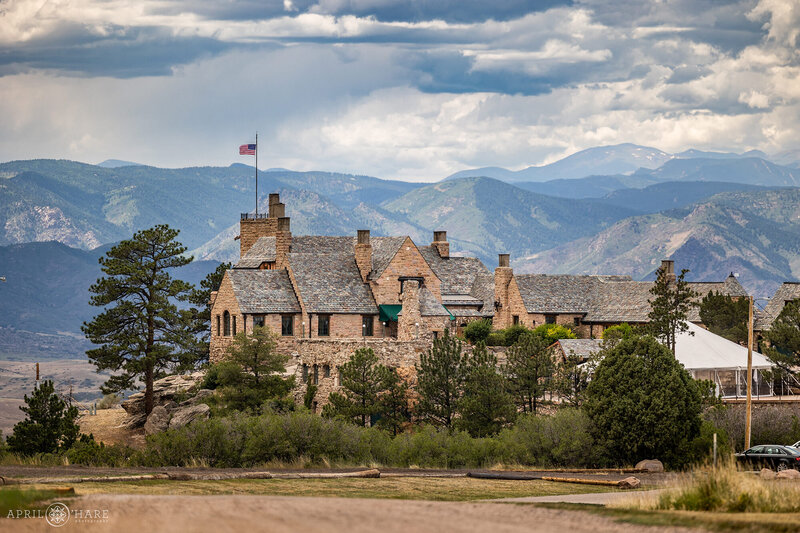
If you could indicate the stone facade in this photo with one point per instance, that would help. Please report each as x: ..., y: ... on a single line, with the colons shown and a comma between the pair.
x: 408, y: 262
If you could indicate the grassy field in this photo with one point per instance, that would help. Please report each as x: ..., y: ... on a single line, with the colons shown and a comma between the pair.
x: 404, y: 488
x: 712, y: 521
x: 14, y: 499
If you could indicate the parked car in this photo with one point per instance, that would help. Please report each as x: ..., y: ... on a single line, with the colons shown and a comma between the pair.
x: 772, y: 456
x: 796, y: 445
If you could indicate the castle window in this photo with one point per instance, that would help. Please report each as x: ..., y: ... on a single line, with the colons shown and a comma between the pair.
x: 234, y: 324
x: 549, y: 319
x: 516, y: 319
x: 305, y: 373
x: 576, y: 321
x: 367, y: 325
x: 315, y: 369
x: 287, y: 325
x: 326, y: 371
x: 258, y: 320
x: 226, y: 323
x: 218, y: 323
x: 323, y: 325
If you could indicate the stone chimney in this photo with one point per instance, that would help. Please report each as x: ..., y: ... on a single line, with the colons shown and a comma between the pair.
x: 363, y: 254
x: 409, y: 323
x: 502, y: 279
x: 441, y: 244
x: 283, y: 240
x: 252, y: 227
x: 668, y: 266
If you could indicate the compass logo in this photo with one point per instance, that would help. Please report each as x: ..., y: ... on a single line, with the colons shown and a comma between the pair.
x: 57, y: 514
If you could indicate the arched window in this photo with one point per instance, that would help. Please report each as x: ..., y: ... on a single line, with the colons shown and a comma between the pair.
x: 226, y: 323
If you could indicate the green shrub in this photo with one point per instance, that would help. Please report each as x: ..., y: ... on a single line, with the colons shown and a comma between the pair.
x: 512, y: 333
x: 496, y: 338
x: 552, y: 332
x: 478, y: 330
x: 86, y: 451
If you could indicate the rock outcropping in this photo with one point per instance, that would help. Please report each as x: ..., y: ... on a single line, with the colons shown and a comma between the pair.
x: 166, y: 392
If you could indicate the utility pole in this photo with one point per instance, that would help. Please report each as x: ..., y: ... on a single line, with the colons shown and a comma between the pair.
x: 749, y: 403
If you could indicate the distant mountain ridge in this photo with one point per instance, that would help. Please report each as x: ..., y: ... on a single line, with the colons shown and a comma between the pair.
x: 620, y: 159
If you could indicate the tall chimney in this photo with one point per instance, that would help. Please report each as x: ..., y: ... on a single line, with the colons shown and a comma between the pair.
x: 668, y: 266
x: 274, y: 198
x: 363, y: 253
x: 503, y: 275
x: 283, y: 242
x: 441, y: 244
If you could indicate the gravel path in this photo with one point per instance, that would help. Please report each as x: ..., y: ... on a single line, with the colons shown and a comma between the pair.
x: 274, y: 514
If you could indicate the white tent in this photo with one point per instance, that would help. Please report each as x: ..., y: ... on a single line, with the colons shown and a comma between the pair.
x: 708, y: 356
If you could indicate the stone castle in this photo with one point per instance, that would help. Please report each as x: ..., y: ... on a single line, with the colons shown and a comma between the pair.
x: 326, y: 296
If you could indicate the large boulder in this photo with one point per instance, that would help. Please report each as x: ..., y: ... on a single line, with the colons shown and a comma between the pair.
x: 650, y: 465
x: 157, y: 421
x: 165, y: 391
x: 629, y: 483
x: 788, y: 474
x: 184, y: 415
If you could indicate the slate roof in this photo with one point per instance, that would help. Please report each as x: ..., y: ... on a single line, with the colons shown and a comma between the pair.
x: 583, y: 348
x: 457, y: 274
x: 604, y: 298
x: 331, y: 283
x: 263, y: 291
x: 383, y: 248
x: 429, y: 305
x: 786, y: 292
x: 262, y: 251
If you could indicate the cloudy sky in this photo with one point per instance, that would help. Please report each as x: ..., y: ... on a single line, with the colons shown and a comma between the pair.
x: 413, y: 89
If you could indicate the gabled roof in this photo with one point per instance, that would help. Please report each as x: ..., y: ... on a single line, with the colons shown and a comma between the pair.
x: 457, y: 274
x: 263, y: 291
x: 583, y: 348
x: 620, y: 301
x: 263, y: 251
x: 788, y: 291
x: 331, y: 283
x: 560, y: 293
x: 383, y: 248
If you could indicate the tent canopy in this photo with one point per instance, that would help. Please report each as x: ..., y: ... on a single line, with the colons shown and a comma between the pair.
x: 706, y: 350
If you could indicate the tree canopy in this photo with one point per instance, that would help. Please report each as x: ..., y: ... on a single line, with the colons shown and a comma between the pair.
x: 49, y: 426
x: 643, y: 403
x: 784, y: 338
x: 528, y: 370
x: 673, y: 299
x: 440, y: 381
x: 141, y: 333
x: 725, y: 316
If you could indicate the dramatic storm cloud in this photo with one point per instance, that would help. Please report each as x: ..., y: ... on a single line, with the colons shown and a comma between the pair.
x: 411, y: 89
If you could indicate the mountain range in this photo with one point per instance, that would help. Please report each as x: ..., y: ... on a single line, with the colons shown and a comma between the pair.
x: 613, y: 210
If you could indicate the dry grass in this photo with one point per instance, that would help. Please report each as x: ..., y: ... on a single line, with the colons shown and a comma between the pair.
x: 439, y: 489
x: 105, y: 426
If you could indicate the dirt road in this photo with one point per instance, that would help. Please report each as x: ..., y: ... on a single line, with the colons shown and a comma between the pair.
x: 274, y: 514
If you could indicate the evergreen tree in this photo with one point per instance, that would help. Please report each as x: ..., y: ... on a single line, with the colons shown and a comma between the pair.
x: 784, y: 339
x: 485, y: 406
x: 49, y: 425
x: 572, y: 378
x: 440, y: 381
x: 528, y: 370
x: 643, y: 403
x: 200, y: 314
x: 252, y: 371
x: 726, y: 317
x: 670, y: 307
x: 394, y: 410
x: 141, y: 331
x: 363, y: 381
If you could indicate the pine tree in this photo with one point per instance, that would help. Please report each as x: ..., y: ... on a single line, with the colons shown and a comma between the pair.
x: 486, y: 406
x: 440, y: 381
x: 141, y: 331
x: 571, y: 380
x: 49, y: 425
x: 252, y: 372
x: 394, y: 410
x: 726, y: 317
x: 363, y: 381
x: 528, y: 370
x: 670, y: 307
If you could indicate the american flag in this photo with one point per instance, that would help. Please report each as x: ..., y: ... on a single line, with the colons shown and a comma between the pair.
x: 247, y: 149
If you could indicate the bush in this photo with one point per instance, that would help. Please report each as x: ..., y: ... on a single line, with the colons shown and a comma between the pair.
x: 770, y: 424
x: 478, y: 330
x: 512, y: 333
x: 108, y: 401
x: 496, y: 338
x: 552, y: 332
x: 86, y: 451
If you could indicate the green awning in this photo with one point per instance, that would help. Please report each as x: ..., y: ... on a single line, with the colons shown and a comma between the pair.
x: 388, y: 313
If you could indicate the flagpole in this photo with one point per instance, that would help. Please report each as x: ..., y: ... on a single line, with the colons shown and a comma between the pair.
x: 256, y: 174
